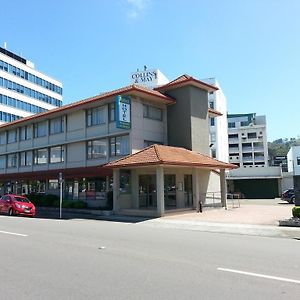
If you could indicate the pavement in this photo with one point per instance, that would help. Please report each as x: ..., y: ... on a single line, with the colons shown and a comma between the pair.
x: 258, y: 217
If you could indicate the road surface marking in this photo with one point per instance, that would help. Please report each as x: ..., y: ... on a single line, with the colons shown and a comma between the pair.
x: 259, y: 275
x: 13, y: 233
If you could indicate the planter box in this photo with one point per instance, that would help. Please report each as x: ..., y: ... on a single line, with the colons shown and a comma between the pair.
x: 292, y: 222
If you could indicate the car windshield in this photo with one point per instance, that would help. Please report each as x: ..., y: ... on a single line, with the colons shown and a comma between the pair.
x: 21, y: 199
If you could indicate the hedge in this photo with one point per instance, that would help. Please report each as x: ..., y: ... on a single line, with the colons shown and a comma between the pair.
x: 296, y: 212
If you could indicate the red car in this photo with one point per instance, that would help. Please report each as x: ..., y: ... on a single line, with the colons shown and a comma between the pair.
x: 16, y: 205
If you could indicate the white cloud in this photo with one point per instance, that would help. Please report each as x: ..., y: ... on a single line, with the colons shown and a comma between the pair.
x: 137, y: 8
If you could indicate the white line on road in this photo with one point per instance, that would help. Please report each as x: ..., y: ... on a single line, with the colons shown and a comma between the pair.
x: 259, y: 275
x: 13, y: 233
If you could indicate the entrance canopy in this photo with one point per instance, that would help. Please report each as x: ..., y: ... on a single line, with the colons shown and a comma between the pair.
x: 171, y: 156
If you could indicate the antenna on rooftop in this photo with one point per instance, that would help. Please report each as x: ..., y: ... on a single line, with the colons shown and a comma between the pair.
x: 5, y: 45
x: 145, y: 68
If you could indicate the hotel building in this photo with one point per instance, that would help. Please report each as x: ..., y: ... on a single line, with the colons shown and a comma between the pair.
x: 150, y: 146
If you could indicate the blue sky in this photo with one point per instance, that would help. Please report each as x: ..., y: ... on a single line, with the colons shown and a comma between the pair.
x: 251, y: 46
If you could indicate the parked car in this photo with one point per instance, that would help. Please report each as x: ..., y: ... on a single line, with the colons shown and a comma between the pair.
x: 16, y: 205
x: 288, y: 195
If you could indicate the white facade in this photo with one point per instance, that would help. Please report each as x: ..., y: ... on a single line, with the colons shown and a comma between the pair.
x: 247, y: 137
x: 293, y: 160
x: 25, y: 91
x: 218, y: 125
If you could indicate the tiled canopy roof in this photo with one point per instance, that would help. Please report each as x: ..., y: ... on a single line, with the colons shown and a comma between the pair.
x: 187, y: 79
x: 166, y: 155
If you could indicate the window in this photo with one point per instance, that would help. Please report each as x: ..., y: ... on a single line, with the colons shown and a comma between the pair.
x: 96, y: 149
x: 57, y: 154
x: 211, y: 105
x: 53, y: 184
x: 298, y: 160
x: 2, y: 161
x: 212, y: 121
x: 213, y: 137
x: 251, y: 135
x: 40, y: 129
x: 25, y: 133
x: 119, y: 145
x: 11, y: 136
x: 152, y: 112
x: 2, y: 138
x: 40, y: 156
x: 231, y: 124
x: 111, y: 112
x: 125, y: 182
x: 12, y: 160
x: 57, y: 125
x: 25, y: 158
x: 95, y: 116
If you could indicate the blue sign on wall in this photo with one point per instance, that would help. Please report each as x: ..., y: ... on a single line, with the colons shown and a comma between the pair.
x: 123, y: 112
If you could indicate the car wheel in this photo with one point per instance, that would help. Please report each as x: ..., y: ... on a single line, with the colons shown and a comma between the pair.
x: 293, y: 200
x: 10, y: 212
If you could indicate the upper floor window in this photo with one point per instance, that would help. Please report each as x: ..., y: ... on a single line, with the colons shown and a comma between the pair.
x: 11, y: 136
x: 96, y: 149
x: 57, y: 125
x: 12, y: 160
x: 57, y: 154
x: 111, y: 112
x: 25, y: 158
x: 212, y: 105
x: 2, y: 161
x: 212, y: 121
x: 298, y: 160
x: 40, y: 156
x: 40, y: 129
x: 2, y: 138
x: 119, y: 145
x: 25, y: 133
x: 153, y: 112
x: 231, y: 124
x: 95, y: 116
x: 251, y: 135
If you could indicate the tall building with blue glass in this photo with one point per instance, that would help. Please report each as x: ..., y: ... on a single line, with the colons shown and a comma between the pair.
x: 24, y: 91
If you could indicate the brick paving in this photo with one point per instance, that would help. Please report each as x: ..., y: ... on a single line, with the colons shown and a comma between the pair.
x: 255, y: 212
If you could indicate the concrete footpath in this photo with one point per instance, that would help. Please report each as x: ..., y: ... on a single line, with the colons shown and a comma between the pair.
x: 253, y: 217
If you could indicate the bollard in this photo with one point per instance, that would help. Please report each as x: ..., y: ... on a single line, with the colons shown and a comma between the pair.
x: 200, y: 206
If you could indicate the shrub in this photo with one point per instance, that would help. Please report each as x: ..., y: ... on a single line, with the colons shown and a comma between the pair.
x: 43, y: 200
x: 296, y: 212
x: 79, y: 204
x: 67, y: 204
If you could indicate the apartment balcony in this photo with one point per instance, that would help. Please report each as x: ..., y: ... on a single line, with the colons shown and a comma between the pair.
x: 258, y: 149
x: 247, y: 149
x: 234, y: 150
x: 259, y: 159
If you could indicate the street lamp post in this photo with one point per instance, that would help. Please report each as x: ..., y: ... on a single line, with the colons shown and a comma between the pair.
x: 60, y: 179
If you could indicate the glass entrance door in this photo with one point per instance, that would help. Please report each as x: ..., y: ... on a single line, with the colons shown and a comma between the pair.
x: 170, y: 191
x: 147, y: 191
x: 188, y: 190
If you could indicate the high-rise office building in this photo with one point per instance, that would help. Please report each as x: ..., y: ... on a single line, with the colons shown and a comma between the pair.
x: 25, y: 91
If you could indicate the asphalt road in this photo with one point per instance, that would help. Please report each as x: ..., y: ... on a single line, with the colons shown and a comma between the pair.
x: 93, y: 259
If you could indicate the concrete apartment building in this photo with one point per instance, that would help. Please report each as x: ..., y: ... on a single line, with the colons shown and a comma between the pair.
x: 248, y: 149
x: 247, y: 139
x: 24, y: 91
x: 79, y: 140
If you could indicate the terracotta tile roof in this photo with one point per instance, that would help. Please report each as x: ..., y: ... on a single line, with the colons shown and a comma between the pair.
x: 131, y: 89
x: 187, y: 79
x: 166, y: 155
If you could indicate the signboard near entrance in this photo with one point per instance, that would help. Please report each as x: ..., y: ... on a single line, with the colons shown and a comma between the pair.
x: 123, y: 112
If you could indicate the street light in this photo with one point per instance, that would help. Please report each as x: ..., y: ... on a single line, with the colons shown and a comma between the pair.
x: 60, y: 179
